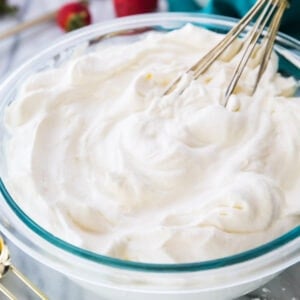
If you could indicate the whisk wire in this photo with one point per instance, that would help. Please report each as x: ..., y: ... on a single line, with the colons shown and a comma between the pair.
x: 250, y: 43
x: 268, y: 12
x: 201, y: 65
x: 269, y: 41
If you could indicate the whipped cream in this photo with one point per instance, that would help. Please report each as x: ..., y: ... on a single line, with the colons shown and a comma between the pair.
x: 99, y: 158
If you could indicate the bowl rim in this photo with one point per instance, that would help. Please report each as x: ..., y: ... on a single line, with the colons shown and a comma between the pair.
x: 82, y: 35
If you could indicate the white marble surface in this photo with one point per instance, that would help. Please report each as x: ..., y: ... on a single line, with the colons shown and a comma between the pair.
x: 58, y: 287
x: 15, y: 51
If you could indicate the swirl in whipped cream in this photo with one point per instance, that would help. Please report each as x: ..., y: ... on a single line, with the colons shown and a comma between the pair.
x: 99, y: 158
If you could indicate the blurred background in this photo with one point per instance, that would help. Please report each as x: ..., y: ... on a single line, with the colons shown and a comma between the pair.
x: 28, y: 26
x: 21, y: 44
x: 16, y: 49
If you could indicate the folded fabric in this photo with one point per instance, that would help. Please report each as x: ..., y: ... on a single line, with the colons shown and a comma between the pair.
x: 237, y: 8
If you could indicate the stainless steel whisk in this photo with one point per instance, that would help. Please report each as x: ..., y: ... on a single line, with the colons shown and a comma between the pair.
x: 269, y: 13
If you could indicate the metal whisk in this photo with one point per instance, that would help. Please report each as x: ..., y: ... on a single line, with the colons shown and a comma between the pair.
x: 268, y: 13
x: 6, y: 266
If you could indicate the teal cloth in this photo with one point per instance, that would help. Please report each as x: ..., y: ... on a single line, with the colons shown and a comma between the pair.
x: 237, y: 8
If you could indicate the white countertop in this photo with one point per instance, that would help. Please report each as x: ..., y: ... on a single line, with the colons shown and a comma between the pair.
x: 15, y: 51
x: 58, y: 287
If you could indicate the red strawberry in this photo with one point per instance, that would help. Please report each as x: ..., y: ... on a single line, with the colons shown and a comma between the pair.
x: 132, y: 7
x: 73, y: 15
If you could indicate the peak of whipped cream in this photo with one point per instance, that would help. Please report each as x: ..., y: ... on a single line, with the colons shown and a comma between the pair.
x: 99, y: 158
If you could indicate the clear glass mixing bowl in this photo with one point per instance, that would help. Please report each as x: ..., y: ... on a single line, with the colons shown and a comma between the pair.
x: 223, y: 278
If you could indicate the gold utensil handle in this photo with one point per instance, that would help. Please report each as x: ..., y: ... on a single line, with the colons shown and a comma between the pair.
x: 6, y: 266
x: 26, y: 25
x: 7, y: 293
x: 31, y: 23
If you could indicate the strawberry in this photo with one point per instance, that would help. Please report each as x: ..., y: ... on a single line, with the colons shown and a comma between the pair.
x: 73, y: 15
x: 132, y: 7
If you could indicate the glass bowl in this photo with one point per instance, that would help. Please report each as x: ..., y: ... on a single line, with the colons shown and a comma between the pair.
x: 111, y: 278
